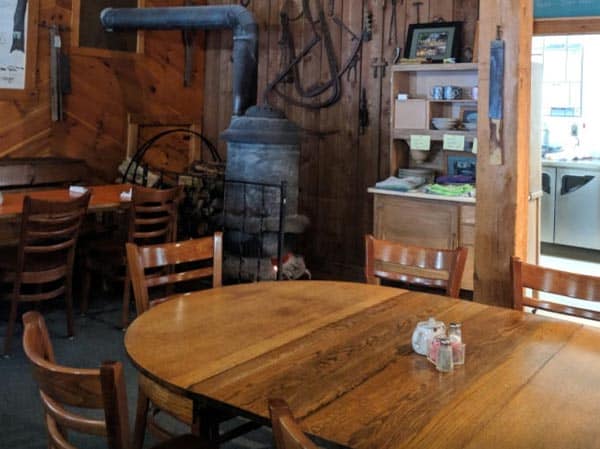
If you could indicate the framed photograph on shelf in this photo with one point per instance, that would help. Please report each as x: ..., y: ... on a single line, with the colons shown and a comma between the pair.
x: 462, y: 165
x: 434, y: 41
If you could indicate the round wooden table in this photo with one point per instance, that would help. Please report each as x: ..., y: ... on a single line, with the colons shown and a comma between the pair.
x: 340, y: 354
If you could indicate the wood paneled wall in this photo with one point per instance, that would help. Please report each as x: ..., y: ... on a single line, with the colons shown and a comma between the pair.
x: 104, y: 91
x: 337, y: 167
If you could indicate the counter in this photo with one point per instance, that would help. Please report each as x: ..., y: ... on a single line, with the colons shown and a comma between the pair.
x: 588, y: 164
x: 424, y: 196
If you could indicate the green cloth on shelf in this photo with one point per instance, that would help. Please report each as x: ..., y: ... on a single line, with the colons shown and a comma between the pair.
x: 451, y: 189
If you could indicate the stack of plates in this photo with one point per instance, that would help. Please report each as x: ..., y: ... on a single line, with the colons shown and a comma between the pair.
x: 444, y: 122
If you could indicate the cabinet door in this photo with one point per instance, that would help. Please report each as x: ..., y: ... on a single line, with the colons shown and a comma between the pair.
x: 415, y: 222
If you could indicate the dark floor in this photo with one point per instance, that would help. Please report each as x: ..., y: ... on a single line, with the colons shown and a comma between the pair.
x: 97, y: 338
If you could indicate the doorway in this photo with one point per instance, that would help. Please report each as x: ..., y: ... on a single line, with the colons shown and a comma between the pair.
x: 566, y: 123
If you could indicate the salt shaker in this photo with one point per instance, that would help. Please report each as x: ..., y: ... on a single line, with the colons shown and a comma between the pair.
x: 458, y: 348
x: 444, y: 361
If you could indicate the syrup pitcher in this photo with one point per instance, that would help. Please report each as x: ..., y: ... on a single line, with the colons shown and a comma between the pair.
x: 424, y: 334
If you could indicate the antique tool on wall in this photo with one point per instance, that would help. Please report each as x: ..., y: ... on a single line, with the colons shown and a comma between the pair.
x: 393, y: 30
x: 496, y: 98
x: 379, y: 65
x: 363, y: 112
x: 368, y: 33
x: 305, y: 96
x: 417, y: 6
x: 55, y: 83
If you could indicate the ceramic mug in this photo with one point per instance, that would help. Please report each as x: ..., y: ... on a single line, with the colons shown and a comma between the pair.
x: 437, y: 92
x: 452, y: 92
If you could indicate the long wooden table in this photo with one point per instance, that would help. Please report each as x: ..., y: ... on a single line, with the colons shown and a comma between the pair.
x: 104, y: 198
x: 340, y: 354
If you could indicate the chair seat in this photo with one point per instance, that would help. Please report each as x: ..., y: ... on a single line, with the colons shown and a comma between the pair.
x: 187, y: 441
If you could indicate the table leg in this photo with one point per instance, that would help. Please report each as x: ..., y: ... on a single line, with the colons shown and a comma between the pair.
x: 206, y: 423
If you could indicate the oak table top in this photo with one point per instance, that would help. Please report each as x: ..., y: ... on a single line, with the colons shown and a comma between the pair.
x: 340, y: 355
x: 104, y: 197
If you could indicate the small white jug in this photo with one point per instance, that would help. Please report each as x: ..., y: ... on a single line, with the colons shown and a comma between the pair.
x: 424, y: 334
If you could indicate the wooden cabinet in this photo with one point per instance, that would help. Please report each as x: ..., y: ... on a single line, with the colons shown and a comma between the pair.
x: 414, y: 116
x: 427, y: 222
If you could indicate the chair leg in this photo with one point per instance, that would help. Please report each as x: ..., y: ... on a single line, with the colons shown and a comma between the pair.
x: 126, y: 299
x: 10, y: 330
x: 69, y: 304
x: 141, y: 416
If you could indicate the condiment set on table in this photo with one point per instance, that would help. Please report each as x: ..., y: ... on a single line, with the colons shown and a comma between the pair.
x: 445, y: 351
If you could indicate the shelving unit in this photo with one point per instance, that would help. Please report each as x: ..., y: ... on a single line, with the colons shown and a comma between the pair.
x: 417, y: 80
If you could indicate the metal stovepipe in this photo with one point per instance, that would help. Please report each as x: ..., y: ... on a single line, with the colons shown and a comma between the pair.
x: 235, y: 17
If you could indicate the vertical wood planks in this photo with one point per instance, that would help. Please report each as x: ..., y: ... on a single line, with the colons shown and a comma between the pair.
x: 335, y: 170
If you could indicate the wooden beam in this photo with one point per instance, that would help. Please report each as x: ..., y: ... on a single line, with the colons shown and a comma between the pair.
x: 567, y: 25
x: 502, y: 189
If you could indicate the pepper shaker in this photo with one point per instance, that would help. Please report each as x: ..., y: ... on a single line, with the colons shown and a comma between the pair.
x: 444, y: 361
x: 458, y: 347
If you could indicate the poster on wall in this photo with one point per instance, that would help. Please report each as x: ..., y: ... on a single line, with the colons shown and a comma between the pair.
x: 13, y: 45
x: 543, y: 9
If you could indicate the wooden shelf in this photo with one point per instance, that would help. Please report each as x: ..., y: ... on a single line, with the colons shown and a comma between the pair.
x: 462, y: 66
x: 436, y: 134
x: 460, y: 100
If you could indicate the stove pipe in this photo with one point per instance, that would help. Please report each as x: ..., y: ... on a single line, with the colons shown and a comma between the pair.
x: 235, y: 17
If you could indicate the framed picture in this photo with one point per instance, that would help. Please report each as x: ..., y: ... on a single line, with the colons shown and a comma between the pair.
x: 18, y: 47
x: 468, y: 114
x: 433, y: 41
x: 462, y: 165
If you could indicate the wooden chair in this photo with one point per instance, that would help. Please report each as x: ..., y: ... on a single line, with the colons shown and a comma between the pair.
x: 152, y: 219
x: 286, y: 430
x: 151, y: 396
x: 414, y: 265
x: 41, y: 267
x: 99, y: 389
x: 564, y: 283
x: 170, y: 255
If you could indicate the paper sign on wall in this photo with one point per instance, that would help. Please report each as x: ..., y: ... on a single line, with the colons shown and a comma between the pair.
x: 420, y: 142
x: 474, y: 148
x: 454, y: 142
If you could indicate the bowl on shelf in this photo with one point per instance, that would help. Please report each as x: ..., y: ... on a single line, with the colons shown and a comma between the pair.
x: 444, y: 123
x: 470, y: 126
x: 419, y: 156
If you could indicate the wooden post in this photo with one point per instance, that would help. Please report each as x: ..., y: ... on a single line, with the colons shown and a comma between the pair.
x: 502, y: 190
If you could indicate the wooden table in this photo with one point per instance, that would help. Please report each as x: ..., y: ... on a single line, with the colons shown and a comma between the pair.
x: 104, y: 198
x: 340, y: 354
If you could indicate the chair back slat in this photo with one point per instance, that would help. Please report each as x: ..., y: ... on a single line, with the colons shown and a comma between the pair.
x: 51, y: 228
x: 153, y: 215
x: 414, y: 265
x: 60, y: 386
x: 556, y: 282
x: 286, y: 431
x: 172, y: 255
x: 67, y: 419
